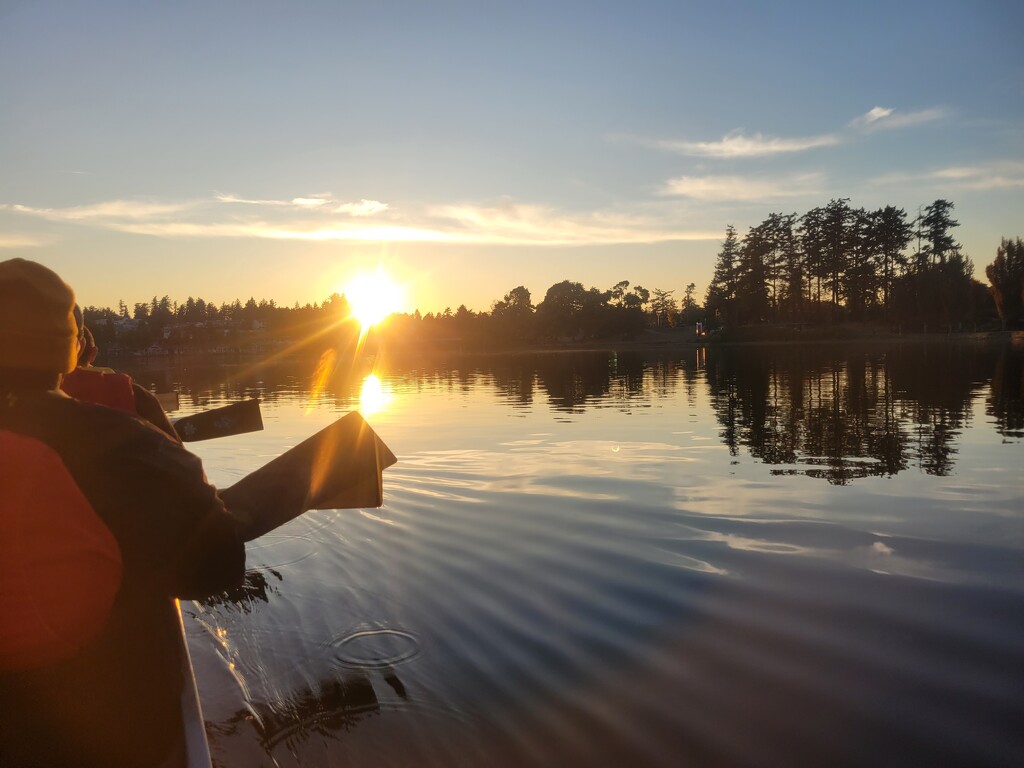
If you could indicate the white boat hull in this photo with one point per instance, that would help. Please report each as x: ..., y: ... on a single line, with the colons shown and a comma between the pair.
x: 197, y: 748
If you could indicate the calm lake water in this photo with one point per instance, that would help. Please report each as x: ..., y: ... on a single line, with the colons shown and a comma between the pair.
x: 749, y: 556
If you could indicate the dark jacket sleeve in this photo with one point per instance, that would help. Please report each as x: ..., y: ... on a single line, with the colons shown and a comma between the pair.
x: 149, y: 408
x: 175, y: 533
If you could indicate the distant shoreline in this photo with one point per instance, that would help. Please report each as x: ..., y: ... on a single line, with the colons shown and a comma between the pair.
x: 676, y: 340
x: 670, y: 342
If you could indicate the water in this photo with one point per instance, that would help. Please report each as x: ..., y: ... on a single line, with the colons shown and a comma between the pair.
x: 741, y: 556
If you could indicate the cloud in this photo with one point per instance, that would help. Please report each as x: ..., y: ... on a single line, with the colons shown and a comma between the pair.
x: 506, y: 223
x: 985, y: 176
x: 873, y: 115
x: 12, y: 240
x: 362, y: 208
x: 887, y: 118
x: 453, y: 224
x: 519, y: 224
x: 323, y: 201
x: 742, y: 188
x: 311, y: 201
x: 108, y: 211
x: 736, y: 144
x: 270, y: 231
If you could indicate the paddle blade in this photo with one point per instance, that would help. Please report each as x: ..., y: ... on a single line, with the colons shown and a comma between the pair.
x: 340, y: 467
x: 235, y: 419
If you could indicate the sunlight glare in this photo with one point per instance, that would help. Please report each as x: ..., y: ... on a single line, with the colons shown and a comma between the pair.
x: 373, y: 297
x: 373, y: 397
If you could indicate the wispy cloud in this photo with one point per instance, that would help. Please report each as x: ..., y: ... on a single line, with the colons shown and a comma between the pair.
x: 985, y: 176
x: 736, y: 144
x: 271, y: 231
x: 362, y: 208
x: 504, y: 223
x: 742, y: 188
x: 14, y: 240
x: 323, y: 201
x: 888, y: 118
x: 108, y: 211
x: 515, y: 223
x: 310, y: 201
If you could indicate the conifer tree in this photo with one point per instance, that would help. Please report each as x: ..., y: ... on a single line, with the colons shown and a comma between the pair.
x: 721, y: 294
x: 1006, y: 276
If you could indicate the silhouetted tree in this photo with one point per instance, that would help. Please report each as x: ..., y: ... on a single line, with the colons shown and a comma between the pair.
x: 934, y: 228
x: 627, y: 309
x: 793, y: 275
x: 559, y: 313
x: 860, y: 279
x: 689, y: 311
x: 811, y: 236
x: 663, y: 305
x: 720, y: 299
x: 778, y: 255
x: 937, y: 291
x: 889, y: 233
x: 838, y: 241
x: 751, y: 285
x: 513, y: 315
x: 618, y: 292
x: 637, y: 298
x: 1006, y: 277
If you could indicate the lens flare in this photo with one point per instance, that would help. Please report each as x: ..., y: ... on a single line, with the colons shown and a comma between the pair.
x: 324, y: 369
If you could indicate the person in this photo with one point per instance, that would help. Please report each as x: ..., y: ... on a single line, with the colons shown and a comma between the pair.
x: 104, y: 521
x: 104, y: 386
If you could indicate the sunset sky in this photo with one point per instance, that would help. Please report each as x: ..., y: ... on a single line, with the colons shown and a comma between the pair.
x: 273, y: 149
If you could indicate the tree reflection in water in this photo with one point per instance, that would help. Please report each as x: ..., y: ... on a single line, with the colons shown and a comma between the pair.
x: 1006, y: 403
x: 837, y: 412
x: 842, y: 416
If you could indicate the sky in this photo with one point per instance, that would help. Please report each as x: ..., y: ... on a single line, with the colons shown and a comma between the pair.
x: 277, y: 149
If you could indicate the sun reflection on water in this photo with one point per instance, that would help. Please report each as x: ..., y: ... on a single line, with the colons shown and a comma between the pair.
x: 374, y: 397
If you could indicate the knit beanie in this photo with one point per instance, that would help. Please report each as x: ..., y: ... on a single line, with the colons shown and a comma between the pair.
x: 37, y: 322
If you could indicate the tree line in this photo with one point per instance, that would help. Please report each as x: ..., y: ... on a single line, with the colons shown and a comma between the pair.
x: 830, y: 265
x: 836, y: 263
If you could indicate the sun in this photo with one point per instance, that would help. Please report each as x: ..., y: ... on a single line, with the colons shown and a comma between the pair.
x: 373, y: 297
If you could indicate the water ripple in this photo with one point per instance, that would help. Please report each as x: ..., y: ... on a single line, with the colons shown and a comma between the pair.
x: 376, y: 648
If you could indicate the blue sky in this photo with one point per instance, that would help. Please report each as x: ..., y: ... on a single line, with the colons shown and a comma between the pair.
x: 229, y: 149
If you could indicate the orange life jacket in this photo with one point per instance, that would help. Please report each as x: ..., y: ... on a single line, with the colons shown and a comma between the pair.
x: 89, y: 385
x: 60, y: 566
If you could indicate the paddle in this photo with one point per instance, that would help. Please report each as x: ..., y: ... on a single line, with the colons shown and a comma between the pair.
x: 234, y: 419
x: 340, y: 467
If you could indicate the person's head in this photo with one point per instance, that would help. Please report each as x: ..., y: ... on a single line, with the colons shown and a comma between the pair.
x: 38, y: 332
x: 86, y: 343
x: 87, y: 349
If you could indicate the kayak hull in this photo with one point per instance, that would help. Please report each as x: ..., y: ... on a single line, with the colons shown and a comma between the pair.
x: 197, y: 747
